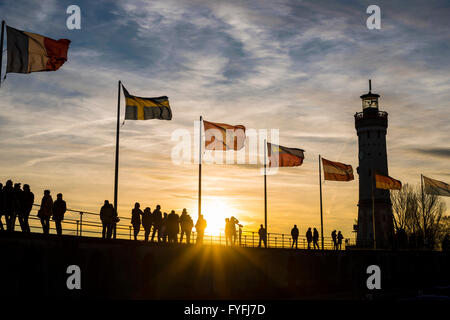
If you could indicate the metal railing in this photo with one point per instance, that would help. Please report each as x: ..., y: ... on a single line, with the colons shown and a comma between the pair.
x: 75, y: 224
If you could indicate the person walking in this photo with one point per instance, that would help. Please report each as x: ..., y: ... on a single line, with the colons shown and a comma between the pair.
x: 136, y: 214
x: 262, y: 236
x: 45, y: 212
x: 26, y: 205
x: 294, y: 234
x: 147, y: 222
x: 316, y: 239
x: 309, y: 237
x: 59, y: 209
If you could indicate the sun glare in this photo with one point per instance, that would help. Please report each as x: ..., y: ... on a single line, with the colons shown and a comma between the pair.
x: 215, y: 211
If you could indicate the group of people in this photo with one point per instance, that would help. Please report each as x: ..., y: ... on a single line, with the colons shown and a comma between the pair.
x: 313, y: 237
x: 165, y: 227
x: 231, y: 232
x: 17, y: 202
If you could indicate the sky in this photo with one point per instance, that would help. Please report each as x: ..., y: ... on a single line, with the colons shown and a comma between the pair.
x: 295, y: 66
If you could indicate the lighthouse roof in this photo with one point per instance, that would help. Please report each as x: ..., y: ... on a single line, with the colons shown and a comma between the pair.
x: 370, y: 95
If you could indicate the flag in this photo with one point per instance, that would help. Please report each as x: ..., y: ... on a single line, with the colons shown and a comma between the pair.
x: 31, y: 52
x: 138, y: 108
x: 436, y: 187
x: 280, y: 156
x: 386, y: 182
x: 337, y: 171
x: 221, y: 136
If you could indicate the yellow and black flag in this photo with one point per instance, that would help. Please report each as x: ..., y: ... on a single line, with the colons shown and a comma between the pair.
x: 138, y: 108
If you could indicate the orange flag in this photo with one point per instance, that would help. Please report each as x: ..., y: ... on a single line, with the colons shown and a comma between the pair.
x: 386, y: 182
x: 337, y: 171
x: 221, y: 136
x: 280, y: 156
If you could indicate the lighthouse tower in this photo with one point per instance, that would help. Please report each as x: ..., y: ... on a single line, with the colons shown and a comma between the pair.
x: 371, y: 126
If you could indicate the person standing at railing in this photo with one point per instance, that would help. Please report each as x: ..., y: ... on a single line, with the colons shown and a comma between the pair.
x: 200, y: 227
x: 309, y: 237
x: 147, y: 222
x: 339, y: 240
x: 45, y: 212
x: 294, y: 234
x: 262, y: 236
x: 233, y: 223
x: 26, y: 205
x: 186, y: 225
x: 106, y: 216
x: 316, y: 239
x: 59, y: 209
x: 162, y: 232
x: 334, y: 237
x: 136, y: 214
x: 156, y: 220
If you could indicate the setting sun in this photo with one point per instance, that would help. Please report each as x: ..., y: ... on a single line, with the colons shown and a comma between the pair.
x: 215, y: 210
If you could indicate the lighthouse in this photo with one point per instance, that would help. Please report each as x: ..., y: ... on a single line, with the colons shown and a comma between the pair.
x: 375, y: 220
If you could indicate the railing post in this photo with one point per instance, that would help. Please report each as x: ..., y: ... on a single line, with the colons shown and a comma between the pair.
x: 78, y: 225
x: 81, y: 223
x: 130, y: 232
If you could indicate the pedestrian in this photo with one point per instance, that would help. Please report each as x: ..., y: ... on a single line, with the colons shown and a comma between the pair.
x: 294, y: 234
x: 17, y: 196
x: 173, y: 226
x: 106, y: 216
x: 157, y: 219
x: 162, y: 233
x: 45, y: 211
x: 147, y: 222
x: 136, y: 214
x: 262, y: 236
x: 186, y: 225
x: 200, y: 227
x: 309, y: 237
x: 233, y: 223
x: 339, y: 239
x: 26, y: 206
x: 334, y: 237
x: 8, y: 203
x: 316, y: 239
x: 59, y: 209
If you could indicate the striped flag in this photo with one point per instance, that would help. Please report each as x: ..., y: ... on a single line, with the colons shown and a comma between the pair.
x: 222, y: 136
x: 336, y: 171
x: 386, y: 182
x: 30, y: 52
x: 138, y: 108
x: 436, y: 187
x: 280, y: 156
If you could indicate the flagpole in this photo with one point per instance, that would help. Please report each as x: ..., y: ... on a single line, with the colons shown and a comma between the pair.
x: 265, y: 188
x: 321, y: 211
x: 1, y: 50
x: 373, y: 212
x: 116, y: 170
x: 200, y: 169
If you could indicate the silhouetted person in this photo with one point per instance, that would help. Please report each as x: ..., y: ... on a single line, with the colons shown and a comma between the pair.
x: 147, y: 222
x: 186, y: 225
x: 59, y: 209
x: 26, y: 205
x: 339, y: 240
x: 233, y: 223
x: 227, y: 231
x: 200, y: 227
x: 8, y: 203
x: 1, y: 206
x: 240, y: 234
x: 45, y: 212
x: 173, y: 226
x: 294, y: 234
x: 334, y: 237
x: 316, y: 239
x: 136, y: 214
x: 157, y: 219
x: 262, y: 236
x: 17, y: 195
x: 309, y: 237
x: 162, y: 233
x: 107, y: 216
x: 115, y: 221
